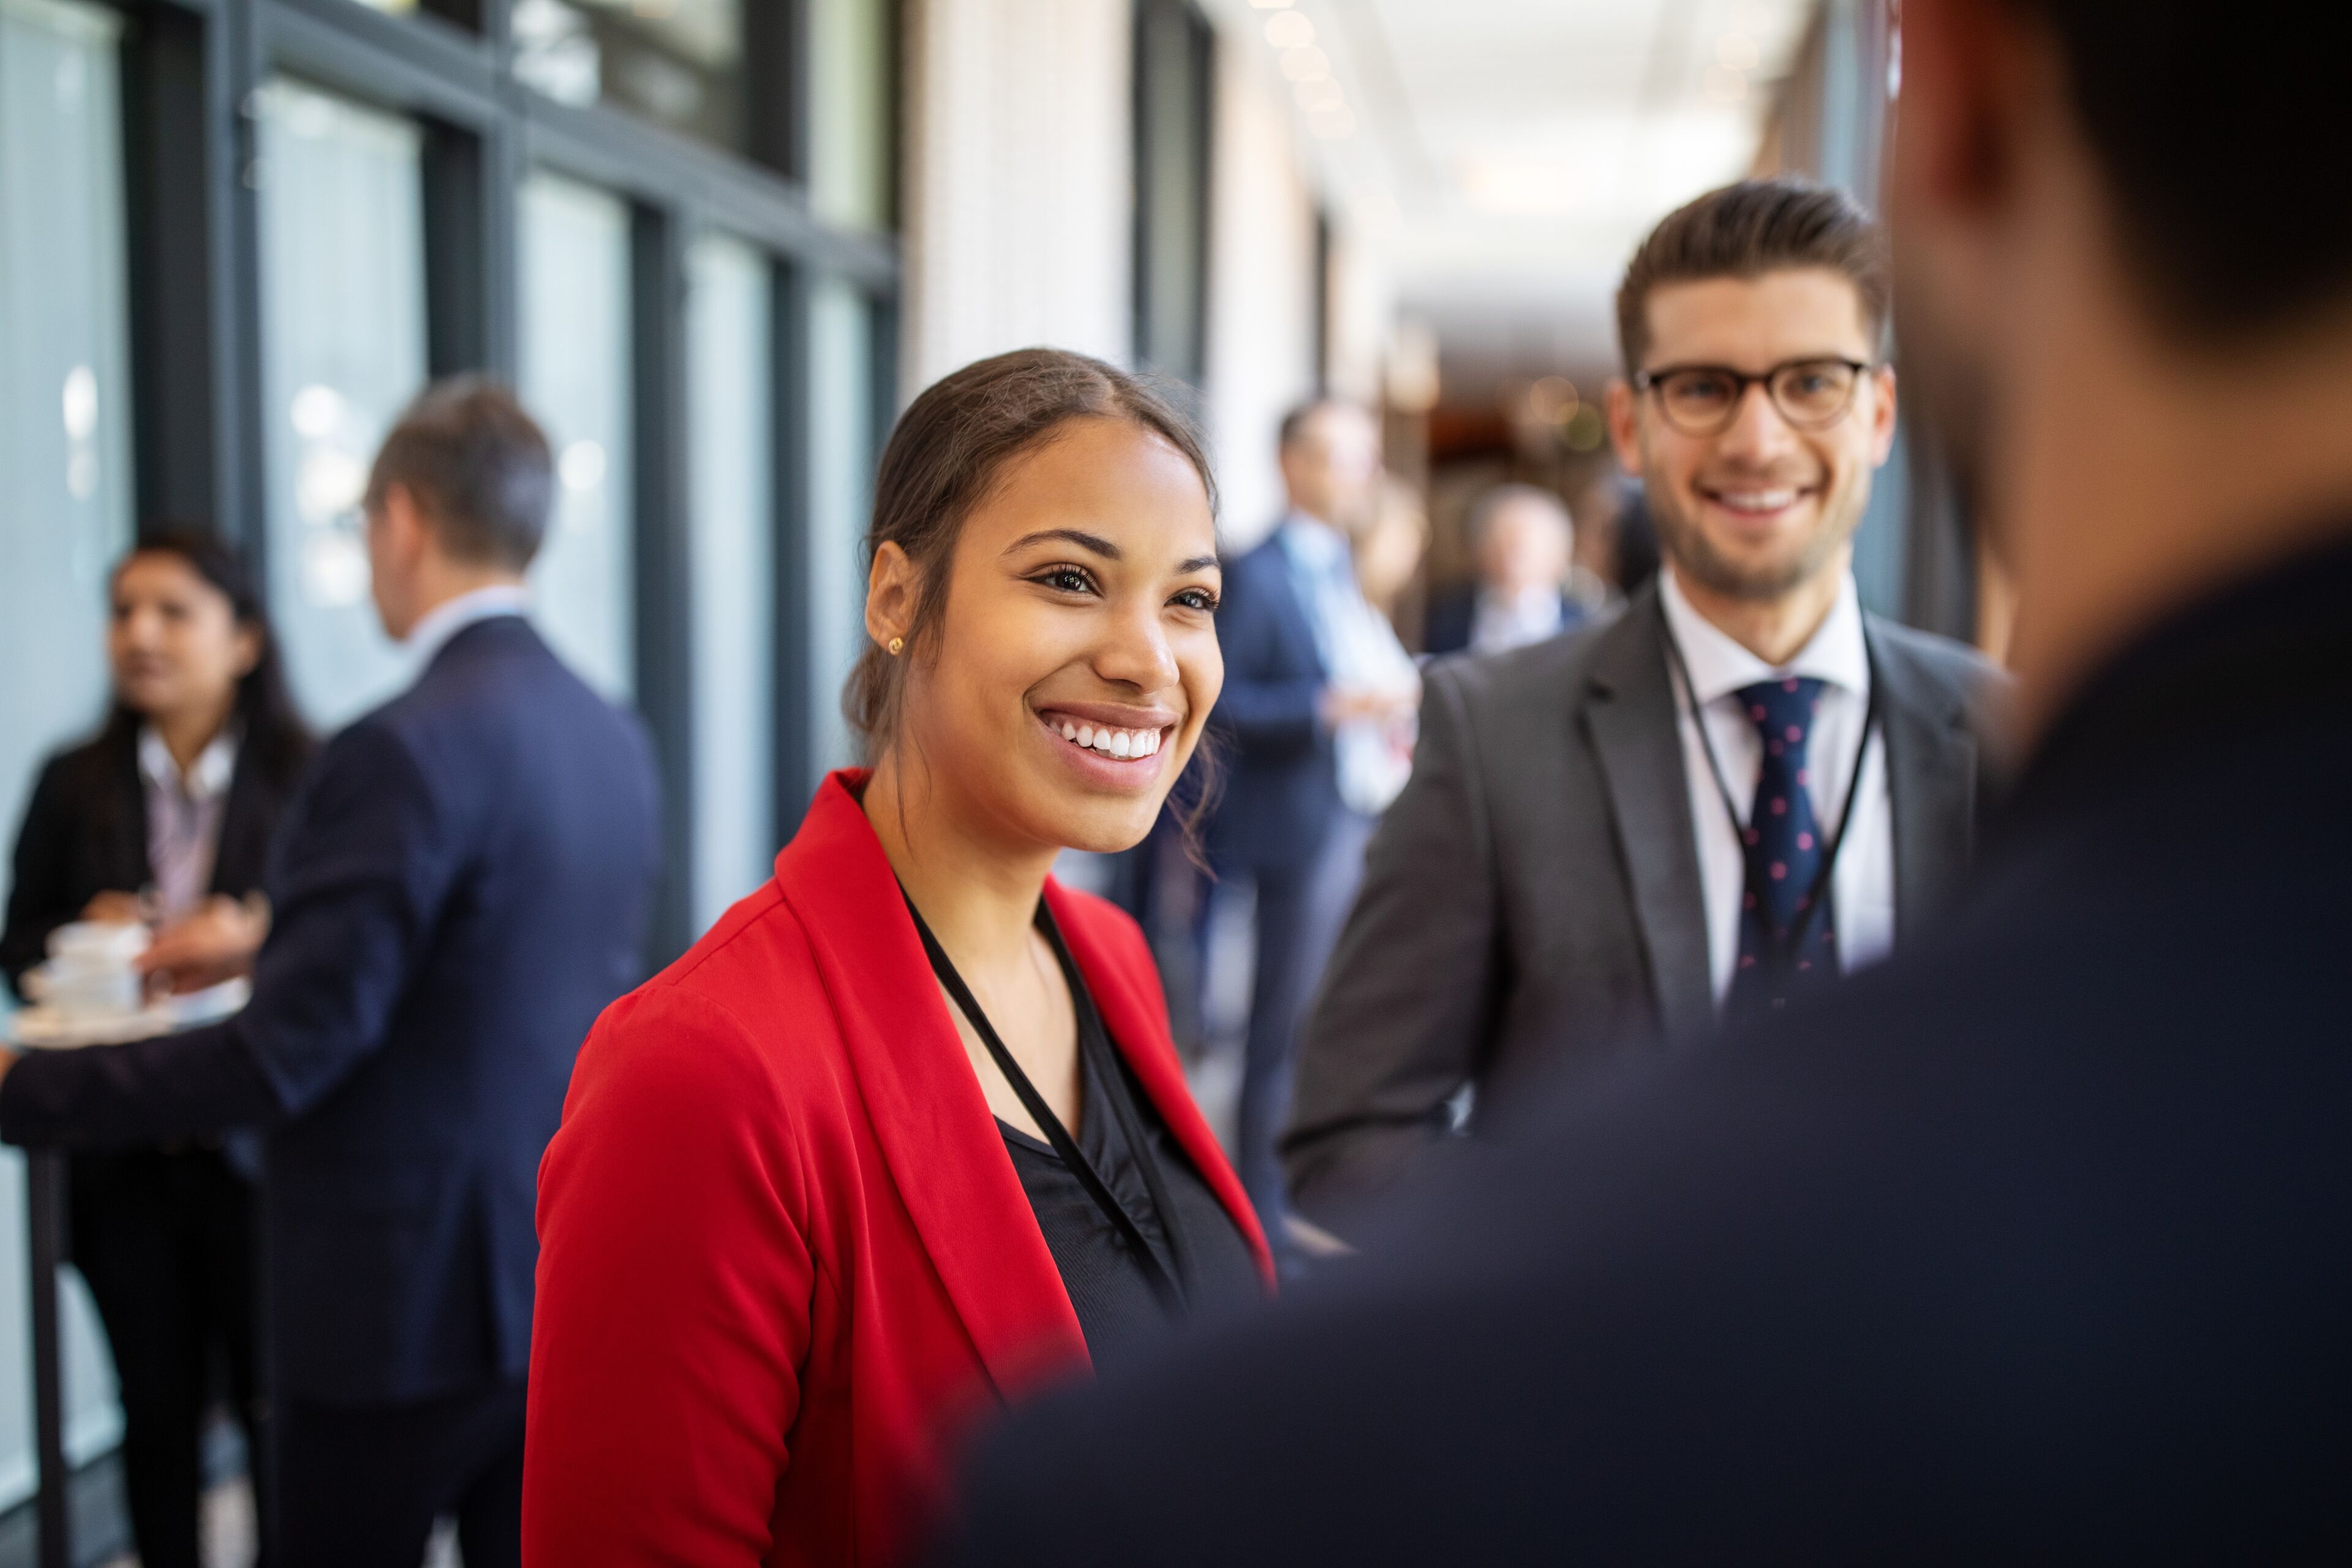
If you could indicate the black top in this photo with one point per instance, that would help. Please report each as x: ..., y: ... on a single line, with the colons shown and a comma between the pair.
x: 84, y: 833
x: 1118, y: 1308
x: 2032, y: 1243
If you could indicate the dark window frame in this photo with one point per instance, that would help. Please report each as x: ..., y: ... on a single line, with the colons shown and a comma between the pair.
x: 1173, y: 83
x: 191, y: 68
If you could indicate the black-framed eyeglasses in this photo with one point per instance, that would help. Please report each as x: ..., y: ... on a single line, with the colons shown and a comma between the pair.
x: 1704, y: 399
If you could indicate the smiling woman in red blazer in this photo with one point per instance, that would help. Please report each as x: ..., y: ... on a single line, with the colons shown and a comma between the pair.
x: 903, y: 1136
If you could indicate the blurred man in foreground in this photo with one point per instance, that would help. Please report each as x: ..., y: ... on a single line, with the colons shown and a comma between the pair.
x: 2037, y: 1241
x: 460, y: 887
x: 1742, y: 786
x: 1524, y: 543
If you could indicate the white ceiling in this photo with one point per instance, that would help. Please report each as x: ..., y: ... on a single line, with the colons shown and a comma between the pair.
x: 1502, y: 157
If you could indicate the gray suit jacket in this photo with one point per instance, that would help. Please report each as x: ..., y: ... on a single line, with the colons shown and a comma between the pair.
x: 1532, y: 901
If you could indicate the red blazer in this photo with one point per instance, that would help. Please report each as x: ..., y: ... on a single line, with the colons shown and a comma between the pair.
x: 785, y: 1262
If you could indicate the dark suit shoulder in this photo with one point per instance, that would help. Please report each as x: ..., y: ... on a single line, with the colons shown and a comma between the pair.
x: 97, y: 763
x: 492, y: 716
x: 1551, y: 674
x: 480, y: 657
x: 1445, y: 629
x: 486, y: 670
x: 89, y: 789
x: 374, y: 758
x: 1257, y: 569
x: 1257, y: 557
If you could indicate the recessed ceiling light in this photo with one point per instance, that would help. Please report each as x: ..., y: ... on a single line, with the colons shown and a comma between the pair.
x: 1289, y: 30
x: 1320, y: 96
x: 1306, y: 64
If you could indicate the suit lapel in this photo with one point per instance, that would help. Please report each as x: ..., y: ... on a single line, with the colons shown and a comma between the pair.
x: 1138, y: 1025
x: 1629, y: 711
x: 1931, y: 773
x: 124, y: 842
x: 946, y: 1155
x: 245, y: 828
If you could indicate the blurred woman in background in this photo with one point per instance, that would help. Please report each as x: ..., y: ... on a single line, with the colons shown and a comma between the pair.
x: 903, y: 1135
x: 1390, y: 552
x: 164, y: 817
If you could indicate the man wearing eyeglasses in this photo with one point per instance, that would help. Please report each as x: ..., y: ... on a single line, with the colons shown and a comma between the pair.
x: 1743, y: 787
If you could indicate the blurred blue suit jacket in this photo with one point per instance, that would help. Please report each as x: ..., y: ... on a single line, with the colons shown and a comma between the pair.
x: 1282, y: 776
x: 461, y: 885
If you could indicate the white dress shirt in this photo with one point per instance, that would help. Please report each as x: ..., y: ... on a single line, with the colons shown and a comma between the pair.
x: 1498, y: 624
x: 434, y: 629
x: 1361, y: 652
x: 184, y: 817
x: 1861, y: 885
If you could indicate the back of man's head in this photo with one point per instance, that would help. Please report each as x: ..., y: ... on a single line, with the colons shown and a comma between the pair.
x: 2199, y: 115
x: 2113, y: 265
x: 476, y: 466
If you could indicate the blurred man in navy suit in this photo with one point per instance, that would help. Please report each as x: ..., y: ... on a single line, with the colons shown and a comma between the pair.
x: 2033, y: 1243
x: 1316, y: 691
x: 459, y: 888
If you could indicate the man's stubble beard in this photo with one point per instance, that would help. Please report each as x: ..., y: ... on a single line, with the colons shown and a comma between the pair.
x: 1694, y: 556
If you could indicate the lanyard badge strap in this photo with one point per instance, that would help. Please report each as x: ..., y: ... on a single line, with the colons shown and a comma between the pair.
x: 1163, y: 1287
x: 1782, y: 942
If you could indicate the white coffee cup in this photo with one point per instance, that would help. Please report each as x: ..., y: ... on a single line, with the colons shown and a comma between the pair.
x: 91, y: 970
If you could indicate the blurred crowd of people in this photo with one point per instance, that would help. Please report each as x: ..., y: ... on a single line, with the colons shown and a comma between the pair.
x: 1725, y: 1074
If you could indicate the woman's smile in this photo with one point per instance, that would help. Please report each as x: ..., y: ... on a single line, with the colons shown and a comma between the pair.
x: 1110, y: 743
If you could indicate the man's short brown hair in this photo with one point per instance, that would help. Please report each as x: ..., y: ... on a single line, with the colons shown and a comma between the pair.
x: 1746, y: 231
x: 477, y: 465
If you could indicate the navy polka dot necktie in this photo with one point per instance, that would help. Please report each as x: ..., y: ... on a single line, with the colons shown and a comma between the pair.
x: 1784, y: 943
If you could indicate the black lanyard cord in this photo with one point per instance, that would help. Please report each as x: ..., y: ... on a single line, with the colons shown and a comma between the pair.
x: 1163, y: 1287
x: 1105, y: 1057
x: 1788, y: 942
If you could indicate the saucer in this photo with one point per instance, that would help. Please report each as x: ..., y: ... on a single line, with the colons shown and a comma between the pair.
x: 44, y: 1028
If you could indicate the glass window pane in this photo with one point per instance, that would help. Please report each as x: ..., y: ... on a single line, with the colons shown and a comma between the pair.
x: 457, y: 13
x: 343, y: 352
x: 843, y: 445
x: 849, y: 110
x: 678, y: 63
x: 65, y: 514
x: 732, y: 547
x: 576, y: 381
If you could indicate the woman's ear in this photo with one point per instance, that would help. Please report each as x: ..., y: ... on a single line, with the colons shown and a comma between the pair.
x: 890, y: 594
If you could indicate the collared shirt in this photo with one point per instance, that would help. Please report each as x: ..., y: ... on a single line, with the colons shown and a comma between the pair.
x: 1319, y: 559
x: 434, y: 629
x: 1499, y: 623
x: 1861, y: 890
x: 184, y: 817
x: 1360, y: 653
